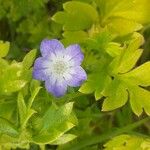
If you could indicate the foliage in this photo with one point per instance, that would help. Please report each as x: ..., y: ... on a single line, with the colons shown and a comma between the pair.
x: 112, y: 103
x: 128, y: 142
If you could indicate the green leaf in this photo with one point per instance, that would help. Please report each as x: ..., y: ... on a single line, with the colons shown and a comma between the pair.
x: 116, y: 141
x: 82, y: 18
x: 11, y: 78
x: 100, y: 41
x: 116, y: 93
x: 25, y: 112
x: 53, y: 134
x: 145, y: 144
x: 139, y: 100
x: 73, y: 37
x: 87, y: 88
x: 128, y: 56
x: 56, y: 115
x: 13, y: 86
x: 140, y: 75
x: 123, y: 27
x: 137, y: 10
x: 128, y: 142
x: 60, y: 17
x: 54, y: 123
x: 34, y: 84
x: 28, y: 59
x: 136, y: 41
x: 116, y: 96
x: 29, y: 114
x: 114, y: 49
x: 129, y: 60
x: 83, y: 7
x: 123, y: 17
x: 95, y: 83
x: 7, y: 109
x: 3, y: 64
x: 7, y: 128
x: 4, y: 48
x: 128, y: 9
x: 33, y: 95
x: 64, y: 139
x: 22, y: 108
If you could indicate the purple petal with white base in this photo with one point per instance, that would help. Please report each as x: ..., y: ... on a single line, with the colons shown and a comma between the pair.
x: 77, y: 76
x: 50, y: 46
x: 57, y: 88
x: 41, y: 63
x: 41, y: 74
x: 76, y: 56
x: 59, y: 67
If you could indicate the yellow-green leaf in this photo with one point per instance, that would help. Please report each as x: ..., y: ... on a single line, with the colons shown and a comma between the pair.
x: 4, y: 48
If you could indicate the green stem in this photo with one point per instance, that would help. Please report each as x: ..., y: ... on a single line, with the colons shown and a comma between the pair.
x: 91, y: 140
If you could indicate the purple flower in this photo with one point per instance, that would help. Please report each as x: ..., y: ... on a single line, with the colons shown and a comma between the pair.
x: 59, y: 67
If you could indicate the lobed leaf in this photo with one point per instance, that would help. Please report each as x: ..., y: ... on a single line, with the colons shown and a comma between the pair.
x: 139, y: 75
x: 83, y: 16
x: 116, y: 96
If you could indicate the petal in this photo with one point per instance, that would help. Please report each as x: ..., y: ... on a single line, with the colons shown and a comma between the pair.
x: 41, y: 74
x: 75, y: 53
x: 73, y: 50
x: 76, y: 77
x: 42, y: 63
x: 57, y: 88
x: 77, y: 60
x: 50, y: 46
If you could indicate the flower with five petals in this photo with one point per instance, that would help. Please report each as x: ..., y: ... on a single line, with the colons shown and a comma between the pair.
x: 59, y: 67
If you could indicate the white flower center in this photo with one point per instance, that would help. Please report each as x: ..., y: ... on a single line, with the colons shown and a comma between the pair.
x: 60, y: 67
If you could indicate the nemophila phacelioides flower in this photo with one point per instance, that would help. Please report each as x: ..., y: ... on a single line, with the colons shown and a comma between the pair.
x: 59, y: 67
